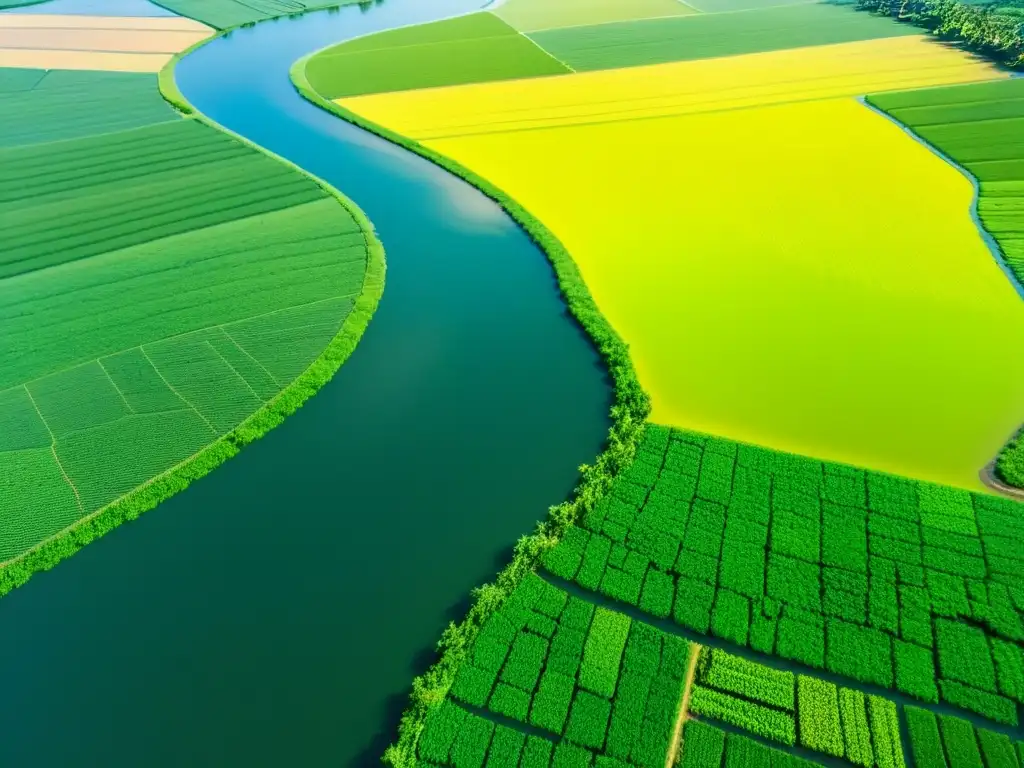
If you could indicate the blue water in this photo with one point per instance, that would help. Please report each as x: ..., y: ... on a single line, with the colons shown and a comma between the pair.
x: 275, y: 613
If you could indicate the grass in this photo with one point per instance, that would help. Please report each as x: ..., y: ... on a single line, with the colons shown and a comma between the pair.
x: 227, y: 14
x: 180, y: 292
x: 475, y: 48
x: 852, y: 356
x: 980, y: 127
x: 656, y: 41
x: 535, y: 15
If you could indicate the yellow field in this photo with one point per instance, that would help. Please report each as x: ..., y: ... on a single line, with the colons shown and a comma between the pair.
x: 802, y: 275
x: 115, y: 43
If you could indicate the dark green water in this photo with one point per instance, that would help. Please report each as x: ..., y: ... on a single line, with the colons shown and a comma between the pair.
x: 274, y: 613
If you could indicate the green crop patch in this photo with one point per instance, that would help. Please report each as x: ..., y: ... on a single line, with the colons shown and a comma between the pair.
x: 170, y: 282
x: 470, y: 49
x: 35, y: 105
x: 226, y: 14
x: 817, y: 563
x: 533, y: 15
x: 980, y: 127
x: 657, y: 41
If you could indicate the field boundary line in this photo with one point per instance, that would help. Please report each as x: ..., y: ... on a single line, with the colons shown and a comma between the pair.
x: 142, y: 348
x: 99, y: 362
x: 234, y: 370
x: 684, y: 706
x: 53, y: 451
x: 245, y: 352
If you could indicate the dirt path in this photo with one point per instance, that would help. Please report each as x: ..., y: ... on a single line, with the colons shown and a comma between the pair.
x: 684, y: 706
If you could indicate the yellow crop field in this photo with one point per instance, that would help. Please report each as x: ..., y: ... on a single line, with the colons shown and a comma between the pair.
x: 788, y: 267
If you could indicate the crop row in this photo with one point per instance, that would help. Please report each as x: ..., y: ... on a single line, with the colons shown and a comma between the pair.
x: 755, y: 547
x: 590, y: 676
x: 705, y: 746
x: 949, y: 742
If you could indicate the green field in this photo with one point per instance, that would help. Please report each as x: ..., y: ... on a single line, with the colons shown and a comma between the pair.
x: 534, y: 15
x: 162, y: 283
x: 35, y: 105
x: 469, y: 49
x: 656, y: 41
x: 981, y: 127
x: 225, y: 14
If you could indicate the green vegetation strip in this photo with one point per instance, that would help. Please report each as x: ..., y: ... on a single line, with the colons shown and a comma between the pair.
x: 476, y: 48
x: 980, y: 127
x: 227, y: 14
x: 157, y: 352
x: 657, y: 41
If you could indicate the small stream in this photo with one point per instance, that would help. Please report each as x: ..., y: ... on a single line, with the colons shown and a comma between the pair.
x: 275, y: 612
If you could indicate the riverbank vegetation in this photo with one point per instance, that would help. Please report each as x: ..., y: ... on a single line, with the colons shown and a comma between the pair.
x: 164, y: 334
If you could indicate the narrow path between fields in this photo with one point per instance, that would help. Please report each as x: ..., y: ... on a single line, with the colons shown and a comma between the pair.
x: 684, y: 706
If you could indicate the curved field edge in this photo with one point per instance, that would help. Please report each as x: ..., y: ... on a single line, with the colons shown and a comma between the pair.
x: 50, y: 551
x: 629, y: 411
x: 1003, y: 474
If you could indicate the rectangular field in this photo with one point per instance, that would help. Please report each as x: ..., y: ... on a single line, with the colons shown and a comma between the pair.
x: 535, y: 15
x: 753, y: 258
x: 656, y: 41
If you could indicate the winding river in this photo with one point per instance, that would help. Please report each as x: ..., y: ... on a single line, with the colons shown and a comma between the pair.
x: 274, y: 613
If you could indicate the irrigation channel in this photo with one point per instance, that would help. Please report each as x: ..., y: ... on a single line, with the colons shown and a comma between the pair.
x: 275, y: 612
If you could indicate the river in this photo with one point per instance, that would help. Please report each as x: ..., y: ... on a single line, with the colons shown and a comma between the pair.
x: 275, y: 612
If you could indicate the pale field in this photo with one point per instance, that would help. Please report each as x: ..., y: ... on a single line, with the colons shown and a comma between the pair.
x: 799, y: 274
x: 112, y: 43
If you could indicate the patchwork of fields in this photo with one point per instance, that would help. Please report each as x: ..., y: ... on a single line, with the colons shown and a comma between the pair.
x: 874, y: 331
x: 111, y: 43
x: 790, y: 269
x: 171, y: 284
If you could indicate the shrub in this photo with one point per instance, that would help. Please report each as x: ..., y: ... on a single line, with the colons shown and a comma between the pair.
x: 853, y: 714
x: 473, y: 685
x: 703, y: 745
x: 961, y: 746
x: 506, y: 746
x: 510, y: 702
x: 566, y: 650
x: 524, y: 662
x: 628, y: 712
x: 885, y: 733
x: 658, y: 546
x: 915, y: 671
x: 540, y: 624
x: 658, y: 591
x: 588, y: 720
x: 693, y: 604
x: 818, y: 713
x: 697, y: 567
x: 731, y: 617
x: 602, y: 653
x: 715, y: 481
x: 860, y: 653
x: 995, y: 708
x: 643, y: 649
x: 916, y: 626
x: 471, y: 743
x: 883, y: 609
x: 844, y: 539
x: 659, y: 716
x: 440, y: 729
x: 762, y: 633
x: 551, y: 702
x: 595, y: 557
x: 750, y: 680
x: 621, y: 585
x: 742, y: 567
x: 758, y: 720
x: 577, y: 614
x: 801, y: 642
x: 794, y: 582
x: 536, y: 753
x: 964, y: 655
x: 794, y: 535
x: 924, y: 738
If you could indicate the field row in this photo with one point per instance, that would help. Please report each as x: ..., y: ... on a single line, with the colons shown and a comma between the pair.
x: 887, y: 581
x: 949, y: 742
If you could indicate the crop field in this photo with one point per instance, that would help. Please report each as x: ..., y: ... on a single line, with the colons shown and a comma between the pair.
x: 110, y: 43
x: 169, y: 281
x: 536, y: 15
x: 981, y: 128
x: 226, y: 14
x: 468, y: 49
x: 855, y: 355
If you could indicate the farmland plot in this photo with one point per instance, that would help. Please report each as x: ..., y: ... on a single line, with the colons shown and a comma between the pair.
x: 170, y: 283
x: 835, y: 325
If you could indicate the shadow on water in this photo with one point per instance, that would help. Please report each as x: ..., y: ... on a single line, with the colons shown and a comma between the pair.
x: 274, y: 613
